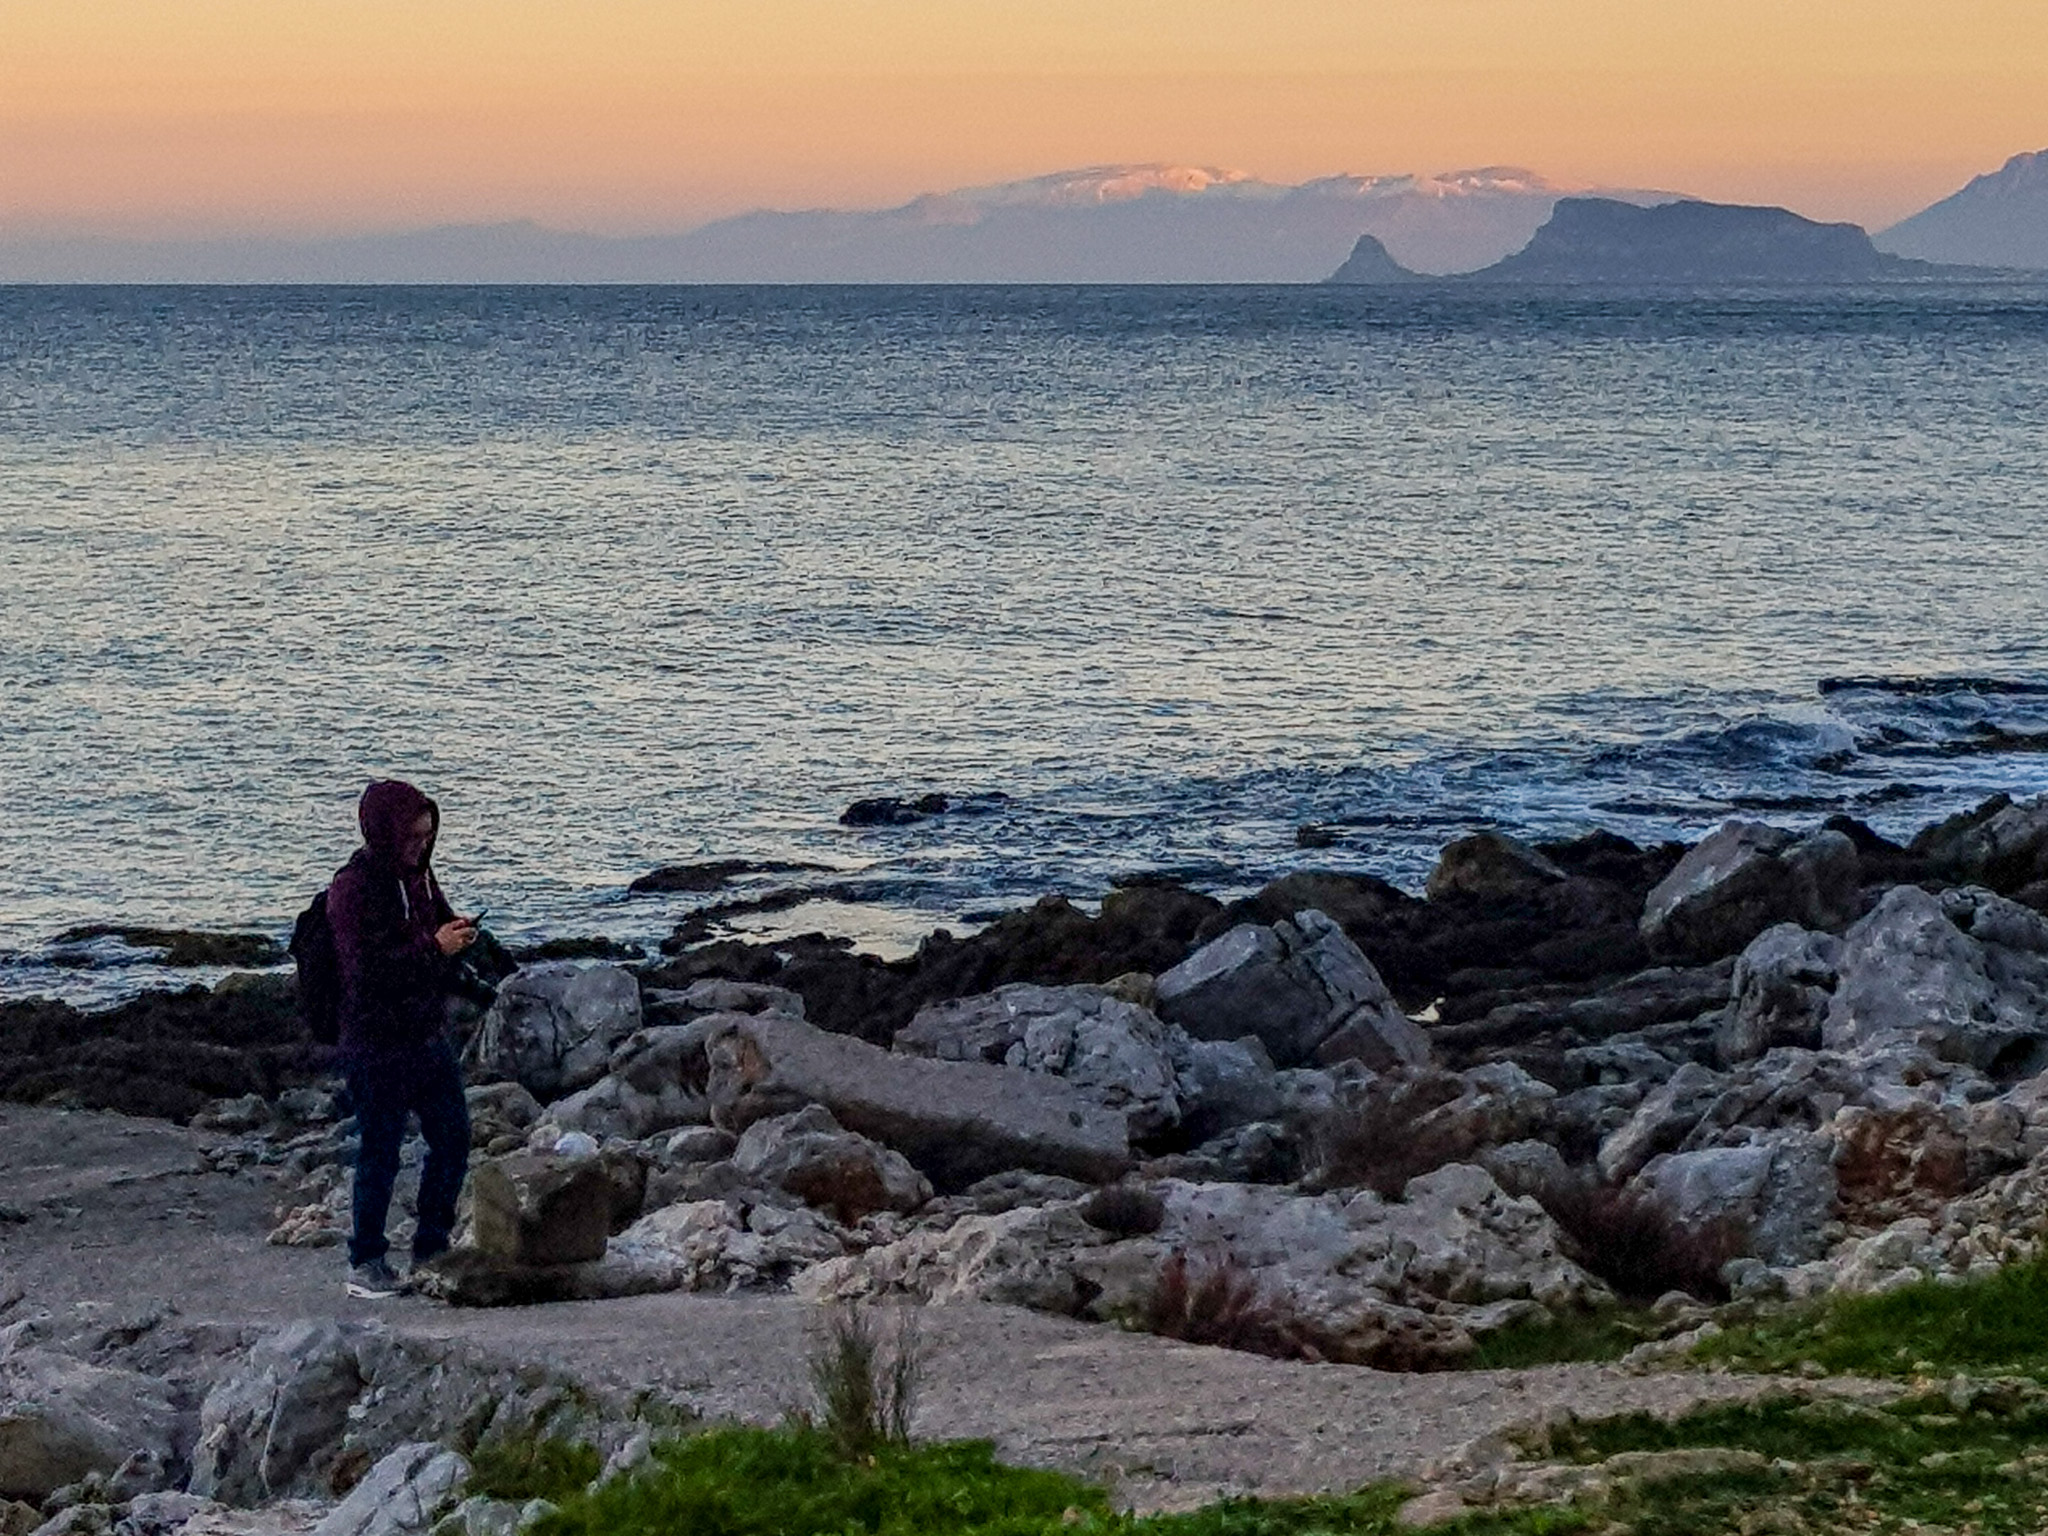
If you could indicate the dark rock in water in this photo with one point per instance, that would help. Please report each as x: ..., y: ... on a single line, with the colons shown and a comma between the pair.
x: 711, y: 875
x: 168, y: 1054
x: 1312, y: 835
x: 1371, y: 263
x: 889, y: 811
x: 594, y: 947
x: 182, y: 946
x: 1489, y: 867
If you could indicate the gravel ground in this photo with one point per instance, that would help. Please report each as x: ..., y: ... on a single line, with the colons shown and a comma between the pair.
x: 121, y: 1212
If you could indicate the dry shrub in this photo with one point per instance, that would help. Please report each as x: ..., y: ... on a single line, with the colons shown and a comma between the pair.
x: 1633, y: 1241
x: 1124, y: 1210
x: 1220, y: 1302
x: 1390, y: 1134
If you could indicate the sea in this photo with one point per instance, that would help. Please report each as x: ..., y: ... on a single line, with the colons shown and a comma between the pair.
x: 1144, y: 581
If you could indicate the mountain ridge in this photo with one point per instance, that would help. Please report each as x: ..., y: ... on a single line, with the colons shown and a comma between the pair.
x: 1999, y: 219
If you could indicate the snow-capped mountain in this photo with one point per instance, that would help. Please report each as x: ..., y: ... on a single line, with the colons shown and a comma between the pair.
x: 1999, y: 220
x: 1099, y: 224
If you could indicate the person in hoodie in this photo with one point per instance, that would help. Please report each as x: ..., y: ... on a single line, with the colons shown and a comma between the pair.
x: 396, y: 939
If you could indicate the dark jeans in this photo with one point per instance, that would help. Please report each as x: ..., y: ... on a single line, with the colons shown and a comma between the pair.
x: 427, y: 1083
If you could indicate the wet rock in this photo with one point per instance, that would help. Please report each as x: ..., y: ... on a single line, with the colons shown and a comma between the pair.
x: 1118, y: 1054
x: 181, y: 946
x: 1745, y: 878
x: 1780, y: 1190
x: 811, y: 1156
x: 710, y: 875
x: 956, y: 1121
x: 62, y: 1419
x: 1490, y: 868
x: 1662, y: 995
x: 1962, y: 977
x: 1292, y: 985
x: 1783, y: 985
x: 554, y: 1027
x: 404, y: 1493
x: 888, y: 811
x: 2002, y: 844
x: 535, y: 1209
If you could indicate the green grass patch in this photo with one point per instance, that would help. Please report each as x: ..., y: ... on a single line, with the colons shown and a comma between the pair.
x: 1995, y: 1324
x: 1606, y: 1334
x: 533, y: 1467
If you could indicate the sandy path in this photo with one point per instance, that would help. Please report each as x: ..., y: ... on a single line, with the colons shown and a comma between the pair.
x: 122, y: 1212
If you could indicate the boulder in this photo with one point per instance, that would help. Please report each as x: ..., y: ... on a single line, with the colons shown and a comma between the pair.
x: 62, y: 1419
x: 500, y: 1115
x: 1745, y: 878
x: 554, y: 1027
x: 536, y: 1208
x: 1292, y: 985
x: 957, y: 1121
x: 403, y: 1494
x: 718, y: 994
x: 811, y: 1156
x: 1223, y: 1084
x: 1662, y: 1121
x: 1492, y: 869
x: 1117, y: 1053
x: 653, y: 1082
x: 2002, y: 843
x: 264, y: 1427
x: 1962, y: 977
x: 1783, y: 985
x: 1780, y: 1189
x: 1898, y: 1161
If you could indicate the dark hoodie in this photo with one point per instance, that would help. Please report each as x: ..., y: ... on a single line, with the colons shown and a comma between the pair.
x: 394, y: 978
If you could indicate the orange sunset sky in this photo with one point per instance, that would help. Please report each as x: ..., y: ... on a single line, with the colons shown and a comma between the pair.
x: 196, y: 117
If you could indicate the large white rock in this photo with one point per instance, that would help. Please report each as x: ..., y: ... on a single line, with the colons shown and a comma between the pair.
x: 1117, y: 1053
x: 61, y: 1418
x: 1780, y: 1189
x: 404, y: 1493
x: 1784, y: 982
x: 1962, y: 977
x: 555, y: 1026
x: 1395, y: 1282
x: 730, y: 1245
x: 1293, y: 985
x: 957, y: 1121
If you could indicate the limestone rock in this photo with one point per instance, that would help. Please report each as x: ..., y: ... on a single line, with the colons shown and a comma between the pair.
x: 2002, y: 843
x: 733, y: 1244
x: 1780, y: 1188
x: 1962, y: 977
x: 61, y: 1419
x: 716, y: 994
x: 533, y: 1208
x: 1661, y: 1122
x: 1784, y: 983
x: 957, y: 1121
x: 553, y: 1027
x: 1117, y: 1053
x: 1293, y: 985
x: 1745, y: 878
x: 1223, y: 1084
x: 499, y: 1114
x: 810, y: 1155
x: 262, y: 1428
x: 403, y: 1494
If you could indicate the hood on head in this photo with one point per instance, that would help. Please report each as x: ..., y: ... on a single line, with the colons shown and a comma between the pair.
x: 388, y: 808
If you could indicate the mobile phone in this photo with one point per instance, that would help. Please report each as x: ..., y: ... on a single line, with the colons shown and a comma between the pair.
x: 476, y: 918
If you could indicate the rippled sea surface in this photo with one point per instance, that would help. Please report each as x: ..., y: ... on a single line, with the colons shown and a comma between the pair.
x: 630, y: 577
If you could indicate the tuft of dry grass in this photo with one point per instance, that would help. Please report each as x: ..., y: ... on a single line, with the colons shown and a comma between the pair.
x: 1389, y: 1134
x: 1220, y: 1302
x: 866, y: 1395
x: 1631, y: 1239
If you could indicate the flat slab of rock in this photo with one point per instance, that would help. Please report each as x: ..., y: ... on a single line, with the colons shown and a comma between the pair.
x: 61, y: 1418
x: 957, y: 1121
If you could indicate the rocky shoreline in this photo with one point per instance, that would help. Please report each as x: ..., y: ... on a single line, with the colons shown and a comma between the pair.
x: 1332, y: 1121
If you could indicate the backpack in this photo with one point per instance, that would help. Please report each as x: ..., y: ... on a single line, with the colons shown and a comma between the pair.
x: 312, y: 951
